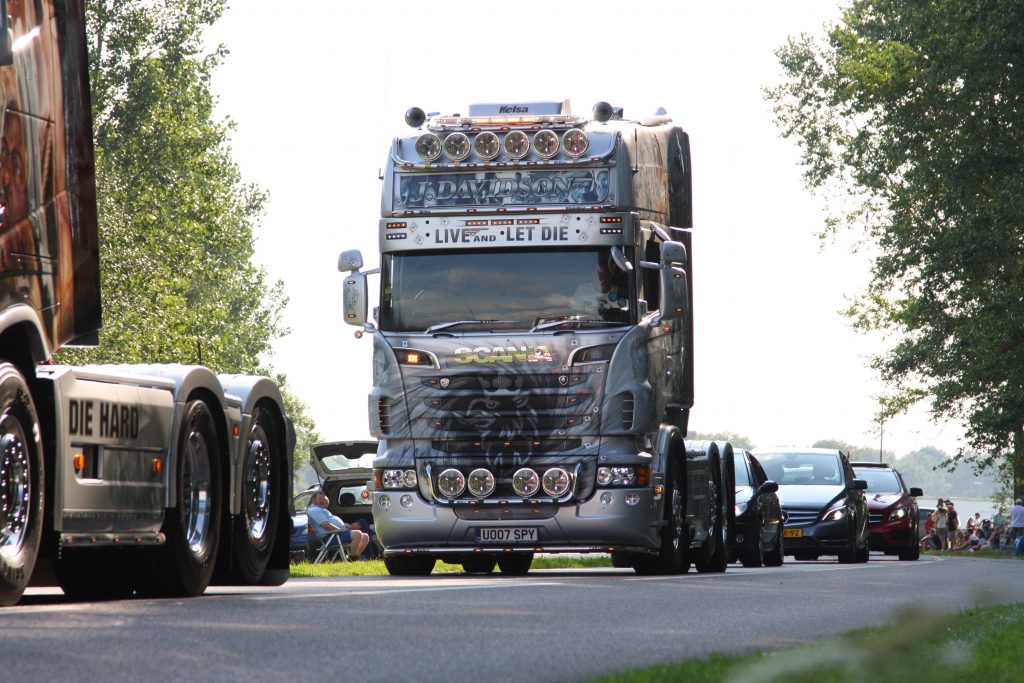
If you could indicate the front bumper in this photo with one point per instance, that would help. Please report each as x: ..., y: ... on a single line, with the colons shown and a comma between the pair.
x: 821, y: 538
x: 584, y: 527
x: 891, y: 537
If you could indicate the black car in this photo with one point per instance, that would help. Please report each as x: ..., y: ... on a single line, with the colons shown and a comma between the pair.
x: 757, y: 531
x: 823, y: 502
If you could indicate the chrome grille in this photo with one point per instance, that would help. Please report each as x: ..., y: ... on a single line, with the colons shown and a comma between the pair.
x: 801, y: 516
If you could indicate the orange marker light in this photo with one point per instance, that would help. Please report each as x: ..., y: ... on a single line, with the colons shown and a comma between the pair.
x: 158, y: 465
x: 235, y: 429
x: 79, y: 461
x: 412, y: 358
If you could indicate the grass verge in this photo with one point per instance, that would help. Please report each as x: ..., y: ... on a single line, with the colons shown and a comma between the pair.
x: 981, y: 644
x: 376, y: 567
x: 991, y: 554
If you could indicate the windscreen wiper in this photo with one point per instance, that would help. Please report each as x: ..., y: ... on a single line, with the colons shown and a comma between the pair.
x: 548, y: 322
x: 456, y: 323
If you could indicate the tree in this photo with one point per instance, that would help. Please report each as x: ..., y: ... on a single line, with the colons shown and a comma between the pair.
x: 176, y: 219
x: 737, y: 440
x: 856, y: 453
x: 909, y: 115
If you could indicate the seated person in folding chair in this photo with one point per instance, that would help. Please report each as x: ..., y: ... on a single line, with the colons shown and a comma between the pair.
x: 374, y: 548
x: 325, y: 523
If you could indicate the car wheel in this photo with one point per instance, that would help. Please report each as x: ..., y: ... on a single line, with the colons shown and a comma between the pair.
x: 411, y: 565
x: 777, y: 556
x: 713, y: 557
x: 183, y: 566
x: 21, y: 485
x: 863, y: 554
x: 478, y: 565
x: 516, y: 564
x: 755, y: 558
x: 910, y: 553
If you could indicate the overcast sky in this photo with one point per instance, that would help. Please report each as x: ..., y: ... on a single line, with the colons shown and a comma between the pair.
x: 317, y: 92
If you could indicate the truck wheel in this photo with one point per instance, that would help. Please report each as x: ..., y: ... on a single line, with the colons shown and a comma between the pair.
x: 96, y: 573
x: 516, y: 564
x: 183, y: 566
x: 673, y: 557
x: 255, y: 528
x: 713, y: 557
x: 410, y: 565
x: 21, y: 485
x: 478, y: 565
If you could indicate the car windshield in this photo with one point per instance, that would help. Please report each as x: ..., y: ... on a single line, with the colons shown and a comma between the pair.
x: 808, y: 469
x: 469, y: 290
x: 879, y: 480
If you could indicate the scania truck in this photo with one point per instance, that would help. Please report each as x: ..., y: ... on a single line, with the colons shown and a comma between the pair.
x: 114, y: 480
x: 533, y: 345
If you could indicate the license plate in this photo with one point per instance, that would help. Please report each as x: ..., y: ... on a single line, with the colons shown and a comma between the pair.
x: 792, y: 533
x: 507, y: 535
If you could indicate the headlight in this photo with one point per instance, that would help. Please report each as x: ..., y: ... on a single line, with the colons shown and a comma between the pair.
x: 546, y: 144
x: 575, y: 142
x: 517, y: 144
x: 525, y: 482
x: 835, y: 515
x: 556, y: 482
x: 456, y: 146
x: 428, y: 146
x: 451, y: 483
x: 898, y: 513
x: 618, y: 476
x: 487, y: 145
x: 481, y: 483
x: 398, y: 479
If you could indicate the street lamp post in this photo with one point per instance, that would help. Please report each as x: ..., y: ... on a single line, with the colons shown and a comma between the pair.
x: 881, y: 437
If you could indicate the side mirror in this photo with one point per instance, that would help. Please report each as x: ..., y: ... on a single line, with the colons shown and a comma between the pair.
x: 675, y: 296
x: 350, y: 260
x: 860, y: 484
x: 673, y: 253
x: 354, y: 298
x: 914, y: 491
x: 768, y: 487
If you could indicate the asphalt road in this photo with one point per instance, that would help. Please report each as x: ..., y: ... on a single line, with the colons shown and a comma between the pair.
x: 548, y: 626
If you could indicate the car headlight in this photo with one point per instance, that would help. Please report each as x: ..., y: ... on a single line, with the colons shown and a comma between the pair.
x: 525, y: 482
x: 428, y: 146
x: 834, y: 515
x: 487, y: 145
x: 556, y: 482
x: 546, y: 144
x: 481, y: 482
x: 456, y: 146
x: 451, y: 483
x: 398, y: 479
x: 517, y: 144
x: 575, y: 142
x: 898, y: 513
x: 616, y: 476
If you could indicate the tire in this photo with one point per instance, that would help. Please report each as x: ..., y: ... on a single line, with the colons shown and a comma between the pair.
x: 911, y: 553
x: 673, y: 556
x: 412, y: 565
x: 254, y: 530
x: 755, y: 558
x: 183, y: 566
x: 21, y: 485
x: 621, y: 560
x: 713, y: 557
x: 777, y: 556
x: 863, y: 554
x: 515, y: 564
x: 479, y: 565
x: 96, y: 574
x: 805, y: 557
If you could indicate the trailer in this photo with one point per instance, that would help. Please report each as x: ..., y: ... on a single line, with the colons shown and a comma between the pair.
x: 114, y: 480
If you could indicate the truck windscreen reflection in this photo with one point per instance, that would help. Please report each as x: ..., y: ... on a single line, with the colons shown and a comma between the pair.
x: 513, y: 290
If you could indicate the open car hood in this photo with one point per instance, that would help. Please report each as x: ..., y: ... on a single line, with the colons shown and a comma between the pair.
x: 332, y: 459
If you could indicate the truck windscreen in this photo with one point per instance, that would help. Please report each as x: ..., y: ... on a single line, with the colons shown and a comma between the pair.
x: 508, y: 290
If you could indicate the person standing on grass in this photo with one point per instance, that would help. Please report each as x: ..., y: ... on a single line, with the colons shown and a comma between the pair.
x: 941, y: 530
x: 952, y: 520
x: 1016, y: 521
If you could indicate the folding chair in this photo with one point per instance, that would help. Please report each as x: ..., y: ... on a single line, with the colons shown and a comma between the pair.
x: 325, y: 546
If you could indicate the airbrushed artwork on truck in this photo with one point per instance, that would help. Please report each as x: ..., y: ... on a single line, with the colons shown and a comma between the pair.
x: 502, y: 188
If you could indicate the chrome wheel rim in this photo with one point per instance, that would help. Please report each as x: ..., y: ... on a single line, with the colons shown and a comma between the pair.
x: 15, y: 487
x: 677, y: 517
x: 257, y: 484
x: 196, y: 483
